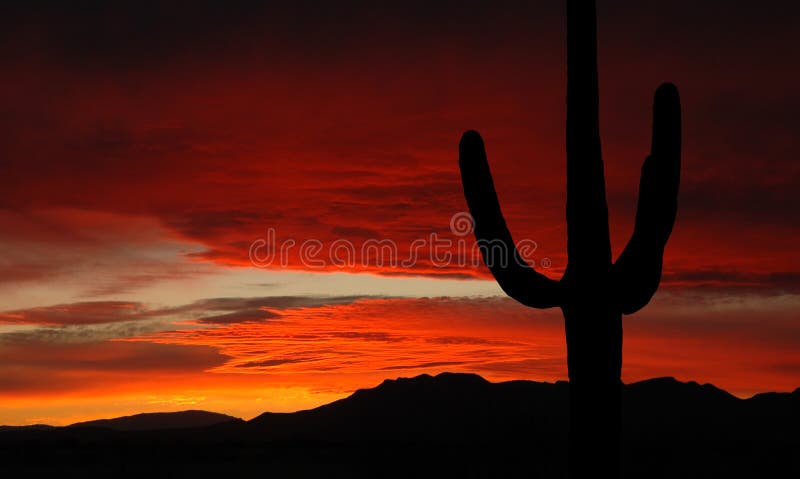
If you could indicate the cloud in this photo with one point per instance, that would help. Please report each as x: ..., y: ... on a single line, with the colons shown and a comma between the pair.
x: 76, y: 313
x: 209, y: 311
x: 734, y: 283
x: 349, y: 232
x: 434, y: 364
x: 376, y: 336
x: 44, y: 366
x: 273, y: 362
x: 277, y: 302
x: 468, y: 340
x: 245, y: 316
x: 372, y: 334
x: 247, y: 310
x: 87, y: 254
x: 731, y: 345
x: 80, y: 333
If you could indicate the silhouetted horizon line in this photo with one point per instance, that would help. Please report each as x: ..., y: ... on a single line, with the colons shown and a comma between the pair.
x: 387, y: 381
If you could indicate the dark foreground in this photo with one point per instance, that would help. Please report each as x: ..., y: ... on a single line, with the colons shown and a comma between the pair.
x: 444, y: 426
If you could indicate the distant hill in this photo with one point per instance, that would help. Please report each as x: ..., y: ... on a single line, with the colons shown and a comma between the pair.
x: 450, y: 425
x: 30, y: 427
x: 159, y: 420
x: 447, y: 407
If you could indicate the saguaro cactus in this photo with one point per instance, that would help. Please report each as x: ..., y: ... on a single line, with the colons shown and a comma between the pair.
x: 594, y: 292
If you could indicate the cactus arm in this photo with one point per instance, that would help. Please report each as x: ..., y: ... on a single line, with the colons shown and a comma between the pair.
x: 588, y: 242
x: 637, y: 271
x: 515, y: 277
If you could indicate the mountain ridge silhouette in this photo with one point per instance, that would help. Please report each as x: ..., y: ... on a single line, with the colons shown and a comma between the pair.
x: 194, y: 418
x: 448, y: 425
x: 191, y: 418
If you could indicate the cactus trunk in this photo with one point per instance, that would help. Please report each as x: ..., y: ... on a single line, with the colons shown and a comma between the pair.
x: 594, y: 352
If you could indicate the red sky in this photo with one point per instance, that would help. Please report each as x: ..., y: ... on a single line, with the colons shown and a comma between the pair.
x: 144, y: 148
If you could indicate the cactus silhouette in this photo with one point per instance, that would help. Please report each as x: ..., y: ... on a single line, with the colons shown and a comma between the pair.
x: 594, y: 292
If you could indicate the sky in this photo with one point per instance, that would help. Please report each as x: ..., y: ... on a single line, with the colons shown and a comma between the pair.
x: 187, y: 192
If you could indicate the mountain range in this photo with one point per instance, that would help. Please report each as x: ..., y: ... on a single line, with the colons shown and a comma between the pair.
x: 449, y: 425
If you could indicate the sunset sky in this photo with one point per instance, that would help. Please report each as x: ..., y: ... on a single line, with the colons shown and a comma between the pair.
x: 144, y: 149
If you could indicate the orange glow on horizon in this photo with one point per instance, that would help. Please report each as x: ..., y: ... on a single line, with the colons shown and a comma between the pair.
x: 306, y: 357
